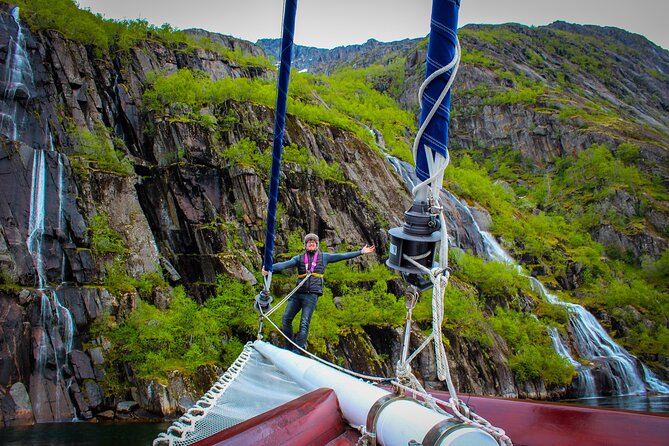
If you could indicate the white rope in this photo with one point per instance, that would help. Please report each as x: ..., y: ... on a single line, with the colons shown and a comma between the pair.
x: 288, y: 296
x: 458, y: 407
x: 323, y: 361
x: 439, y: 276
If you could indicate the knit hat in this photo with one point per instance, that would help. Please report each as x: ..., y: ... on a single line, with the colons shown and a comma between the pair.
x: 311, y: 236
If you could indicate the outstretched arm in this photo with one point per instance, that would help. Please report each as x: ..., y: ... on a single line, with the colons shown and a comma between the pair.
x: 282, y: 265
x: 331, y: 258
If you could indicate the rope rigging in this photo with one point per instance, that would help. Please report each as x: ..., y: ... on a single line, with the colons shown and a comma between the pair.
x: 414, y: 246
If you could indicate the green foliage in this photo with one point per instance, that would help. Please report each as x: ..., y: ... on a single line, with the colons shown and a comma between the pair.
x: 532, y: 354
x: 99, y: 150
x: 638, y: 304
x: 235, y: 55
x: 467, y: 179
x: 345, y: 100
x: 594, y: 176
x: 533, y: 58
x: 462, y: 313
x: 524, y: 95
x: 322, y: 169
x: 295, y: 244
x: 496, y: 35
x: 246, y: 153
x: 105, y: 240
x: 628, y: 153
x: 660, y: 76
x: 475, y: 57
x: 657, y: 272
x: 116, y: 279
x: 494, y: 280
x: 184, y: 336
x: 65, y: 17
x: 148, y: 282
x: 373, y: 306
x: 104, y: 35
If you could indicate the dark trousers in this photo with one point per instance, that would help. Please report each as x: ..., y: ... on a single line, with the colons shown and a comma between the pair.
x: 297, y: 302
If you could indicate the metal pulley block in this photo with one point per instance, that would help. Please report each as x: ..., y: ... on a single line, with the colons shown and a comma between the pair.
x: 417, y: 239
x: 263, y: 302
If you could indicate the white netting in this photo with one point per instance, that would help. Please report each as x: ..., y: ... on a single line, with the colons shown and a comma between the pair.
x: 234, y: 398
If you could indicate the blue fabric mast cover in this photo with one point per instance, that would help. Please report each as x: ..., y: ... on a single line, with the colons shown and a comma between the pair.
x: 289, y: 12
x: 440, y: 52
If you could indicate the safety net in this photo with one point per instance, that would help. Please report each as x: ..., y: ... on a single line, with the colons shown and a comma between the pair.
x: 251, y: 386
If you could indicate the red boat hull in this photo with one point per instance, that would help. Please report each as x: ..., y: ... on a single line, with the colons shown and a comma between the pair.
x: 532, y: 423
x: 316, y: 419
x: 312, y: 419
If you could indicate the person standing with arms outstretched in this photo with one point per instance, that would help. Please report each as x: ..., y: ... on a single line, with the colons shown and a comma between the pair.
x: 311, y: 263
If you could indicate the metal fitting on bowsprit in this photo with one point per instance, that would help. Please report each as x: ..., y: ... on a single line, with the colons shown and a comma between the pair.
x: 263, y: 302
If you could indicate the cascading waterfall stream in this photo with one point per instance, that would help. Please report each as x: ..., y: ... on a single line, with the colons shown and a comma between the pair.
x: 591, y: 342
x: 627, y: 375
x: 17, y: 80
x: 594, y: 344
x: 37, y: 220
x: 585, y: 385
x: 55, y: 334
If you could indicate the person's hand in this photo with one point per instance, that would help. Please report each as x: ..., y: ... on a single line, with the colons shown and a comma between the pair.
x: 264, y: 273
x: 367, y: 249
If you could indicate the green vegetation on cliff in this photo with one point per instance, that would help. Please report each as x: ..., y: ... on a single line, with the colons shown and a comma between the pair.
x: 187, y: 335
x: 97, y: 150
x: 344, y: 100
x: 245, y: 153
x: 547, y: 218
x: 104, y: 35
x: 544, y: 216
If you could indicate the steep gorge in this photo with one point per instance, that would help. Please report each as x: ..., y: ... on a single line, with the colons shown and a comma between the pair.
x: 184, y: 209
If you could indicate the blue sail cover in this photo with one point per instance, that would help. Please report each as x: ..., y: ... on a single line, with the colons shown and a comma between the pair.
x: 440, y: 52
x: 289, y: 12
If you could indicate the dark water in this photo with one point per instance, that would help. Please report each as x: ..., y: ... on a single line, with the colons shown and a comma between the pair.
x: 83, y: 434
x: 655, y: 403
x: 143, y: 434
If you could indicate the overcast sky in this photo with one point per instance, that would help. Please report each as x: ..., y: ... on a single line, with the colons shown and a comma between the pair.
x: 331, y: 23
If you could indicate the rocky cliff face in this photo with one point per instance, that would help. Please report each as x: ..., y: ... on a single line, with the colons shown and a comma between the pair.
x: 320, y: 60
x: 182, y: 209
x: 635, y: 101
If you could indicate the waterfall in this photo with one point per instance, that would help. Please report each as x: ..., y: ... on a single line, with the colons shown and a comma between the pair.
x: 17, y: 80
x: 627, y: 375
x: 589, y: 338
x: 656, y: 385
x: 405, y: 171
x: 594, y: 344
x: 36, y: 223
x: 53, y: 338
x: 56, y: 331
x: 586, y: 381
x: 496, y: 252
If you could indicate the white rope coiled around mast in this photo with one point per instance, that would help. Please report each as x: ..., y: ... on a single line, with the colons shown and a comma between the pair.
x: 430, y: 189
